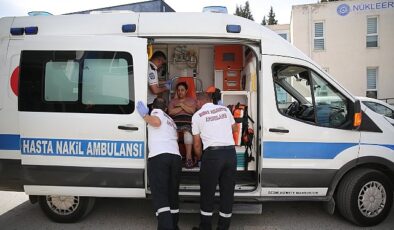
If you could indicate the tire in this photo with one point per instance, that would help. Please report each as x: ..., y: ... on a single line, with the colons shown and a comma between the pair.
x: 66, y: 209
x: 364, y: 197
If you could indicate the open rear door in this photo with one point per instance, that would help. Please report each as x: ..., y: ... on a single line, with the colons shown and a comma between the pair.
x: 80, y: 132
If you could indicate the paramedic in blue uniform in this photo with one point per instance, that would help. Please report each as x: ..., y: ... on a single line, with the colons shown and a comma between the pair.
x: 164, y: 163
x: 214, y: 125
x: 157, y: 60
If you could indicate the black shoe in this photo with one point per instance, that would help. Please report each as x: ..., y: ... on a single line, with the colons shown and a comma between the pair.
x: 195, y: 228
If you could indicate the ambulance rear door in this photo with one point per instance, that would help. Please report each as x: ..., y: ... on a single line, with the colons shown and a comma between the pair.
x: 80, y: 132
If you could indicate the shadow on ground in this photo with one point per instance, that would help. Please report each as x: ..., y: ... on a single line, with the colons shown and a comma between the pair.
x: 138, y: 214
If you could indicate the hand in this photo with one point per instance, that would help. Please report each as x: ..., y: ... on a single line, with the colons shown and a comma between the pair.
x: 168, y: 84
x: 142, y: 109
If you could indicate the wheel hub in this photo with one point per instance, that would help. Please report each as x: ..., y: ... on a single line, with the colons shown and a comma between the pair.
x: 63, y: 205
x: 372, y: 199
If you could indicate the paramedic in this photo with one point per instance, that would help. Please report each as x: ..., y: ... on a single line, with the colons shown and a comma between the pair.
x: 215, y: 95
x: 181, y: 109
x: 214, y: 124
x: 164, y: 163
x: 157, y: 60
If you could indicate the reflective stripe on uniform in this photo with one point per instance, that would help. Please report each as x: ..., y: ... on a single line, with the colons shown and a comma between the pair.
x: 163, y: 209
x: 225, y: 215
x: 206, y: 213
x: 174, y: 210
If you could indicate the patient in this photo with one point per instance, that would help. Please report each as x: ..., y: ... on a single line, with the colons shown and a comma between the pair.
x: 181, y: 109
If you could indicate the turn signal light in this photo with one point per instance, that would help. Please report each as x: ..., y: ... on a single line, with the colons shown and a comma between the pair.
x: 357, y: 119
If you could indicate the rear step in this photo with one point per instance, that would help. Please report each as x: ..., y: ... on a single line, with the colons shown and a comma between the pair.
x: 238, y: 208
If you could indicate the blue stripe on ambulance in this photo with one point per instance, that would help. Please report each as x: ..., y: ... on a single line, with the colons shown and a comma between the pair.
x: 304, y: 150
x: 9, y: 142
x: 308, y: 150
x: 387, y: 146
x: 73, y: 147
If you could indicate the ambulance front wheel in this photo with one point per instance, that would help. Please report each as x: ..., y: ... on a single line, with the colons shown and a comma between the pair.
x: 66, y: 209
x: 364, y: 197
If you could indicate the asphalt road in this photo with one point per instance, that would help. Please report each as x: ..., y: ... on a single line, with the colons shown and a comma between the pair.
x: 16, y: 212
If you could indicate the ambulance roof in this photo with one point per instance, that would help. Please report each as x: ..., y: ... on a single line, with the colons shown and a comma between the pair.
x: 170, y: 25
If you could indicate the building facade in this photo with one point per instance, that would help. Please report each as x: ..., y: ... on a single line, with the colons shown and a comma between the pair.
x: 282, y: 30
x: 352, y: 40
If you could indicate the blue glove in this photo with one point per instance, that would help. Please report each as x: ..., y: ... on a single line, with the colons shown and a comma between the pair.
x: 168, y: 84
x: 220, y: 102
x: 142, y: 109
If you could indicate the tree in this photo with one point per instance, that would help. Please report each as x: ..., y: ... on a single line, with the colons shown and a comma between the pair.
x: 271, y: 18
x: 244, y: 11
x: 264, y: 22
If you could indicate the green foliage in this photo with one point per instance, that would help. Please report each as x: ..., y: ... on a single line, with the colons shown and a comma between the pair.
x: 271, y: 18
x: 264, y: 22
x: 244, y: 11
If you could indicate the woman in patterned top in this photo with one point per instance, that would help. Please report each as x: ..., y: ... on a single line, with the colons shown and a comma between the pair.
x: 181, y: 109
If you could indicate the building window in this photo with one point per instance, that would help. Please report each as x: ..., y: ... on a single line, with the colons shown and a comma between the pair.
x: 372, y: 75
x: 318, y: 40
x: 283, y: 35
x: 372, y: 32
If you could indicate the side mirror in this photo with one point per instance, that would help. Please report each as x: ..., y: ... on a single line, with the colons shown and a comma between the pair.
x: 357, y: 115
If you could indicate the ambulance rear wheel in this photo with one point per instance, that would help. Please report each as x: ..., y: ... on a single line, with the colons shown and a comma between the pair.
x: 364, y: 197
x: 66, y: 209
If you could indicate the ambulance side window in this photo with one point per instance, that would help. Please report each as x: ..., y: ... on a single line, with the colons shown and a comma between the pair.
x: 76, y: 81
x: 61, y: 81
x: 303, y: 95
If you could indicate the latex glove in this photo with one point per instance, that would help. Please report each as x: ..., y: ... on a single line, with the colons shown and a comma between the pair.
x: 220, y: 102
x: 142, y: 109
x: 168, y: 84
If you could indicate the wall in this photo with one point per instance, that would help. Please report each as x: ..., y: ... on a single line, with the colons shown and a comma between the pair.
x: 346, y: 55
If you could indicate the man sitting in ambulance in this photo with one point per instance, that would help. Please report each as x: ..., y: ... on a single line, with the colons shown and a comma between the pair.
x: 181, y: 109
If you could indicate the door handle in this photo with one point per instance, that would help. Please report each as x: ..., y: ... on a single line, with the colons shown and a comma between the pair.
x: 276, y: 130
x: 131, y: 128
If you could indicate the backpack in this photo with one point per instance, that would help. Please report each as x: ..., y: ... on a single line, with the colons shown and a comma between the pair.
x: 243, y: 137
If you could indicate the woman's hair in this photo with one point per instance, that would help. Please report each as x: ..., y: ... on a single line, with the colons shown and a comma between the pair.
x: 183, y: 84
x: 159, y: 103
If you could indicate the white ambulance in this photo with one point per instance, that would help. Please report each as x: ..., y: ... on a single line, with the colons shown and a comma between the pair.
x: 69, y: 130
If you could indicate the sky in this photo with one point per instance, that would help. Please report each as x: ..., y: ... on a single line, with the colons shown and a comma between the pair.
x: 259, y: 8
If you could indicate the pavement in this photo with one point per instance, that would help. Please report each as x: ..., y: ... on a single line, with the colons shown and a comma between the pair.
x: 16, y: 212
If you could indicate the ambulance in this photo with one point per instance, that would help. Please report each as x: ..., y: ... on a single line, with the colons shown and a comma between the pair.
x: 70, y: 132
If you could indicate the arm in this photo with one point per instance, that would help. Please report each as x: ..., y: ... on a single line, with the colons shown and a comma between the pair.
x: 155, y: 89
x: 152, y: 120
x: 197, y: 147
x: 234, y: 127
x: 143, y: 111
x: 190, y: 109
x: 172, y: 109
